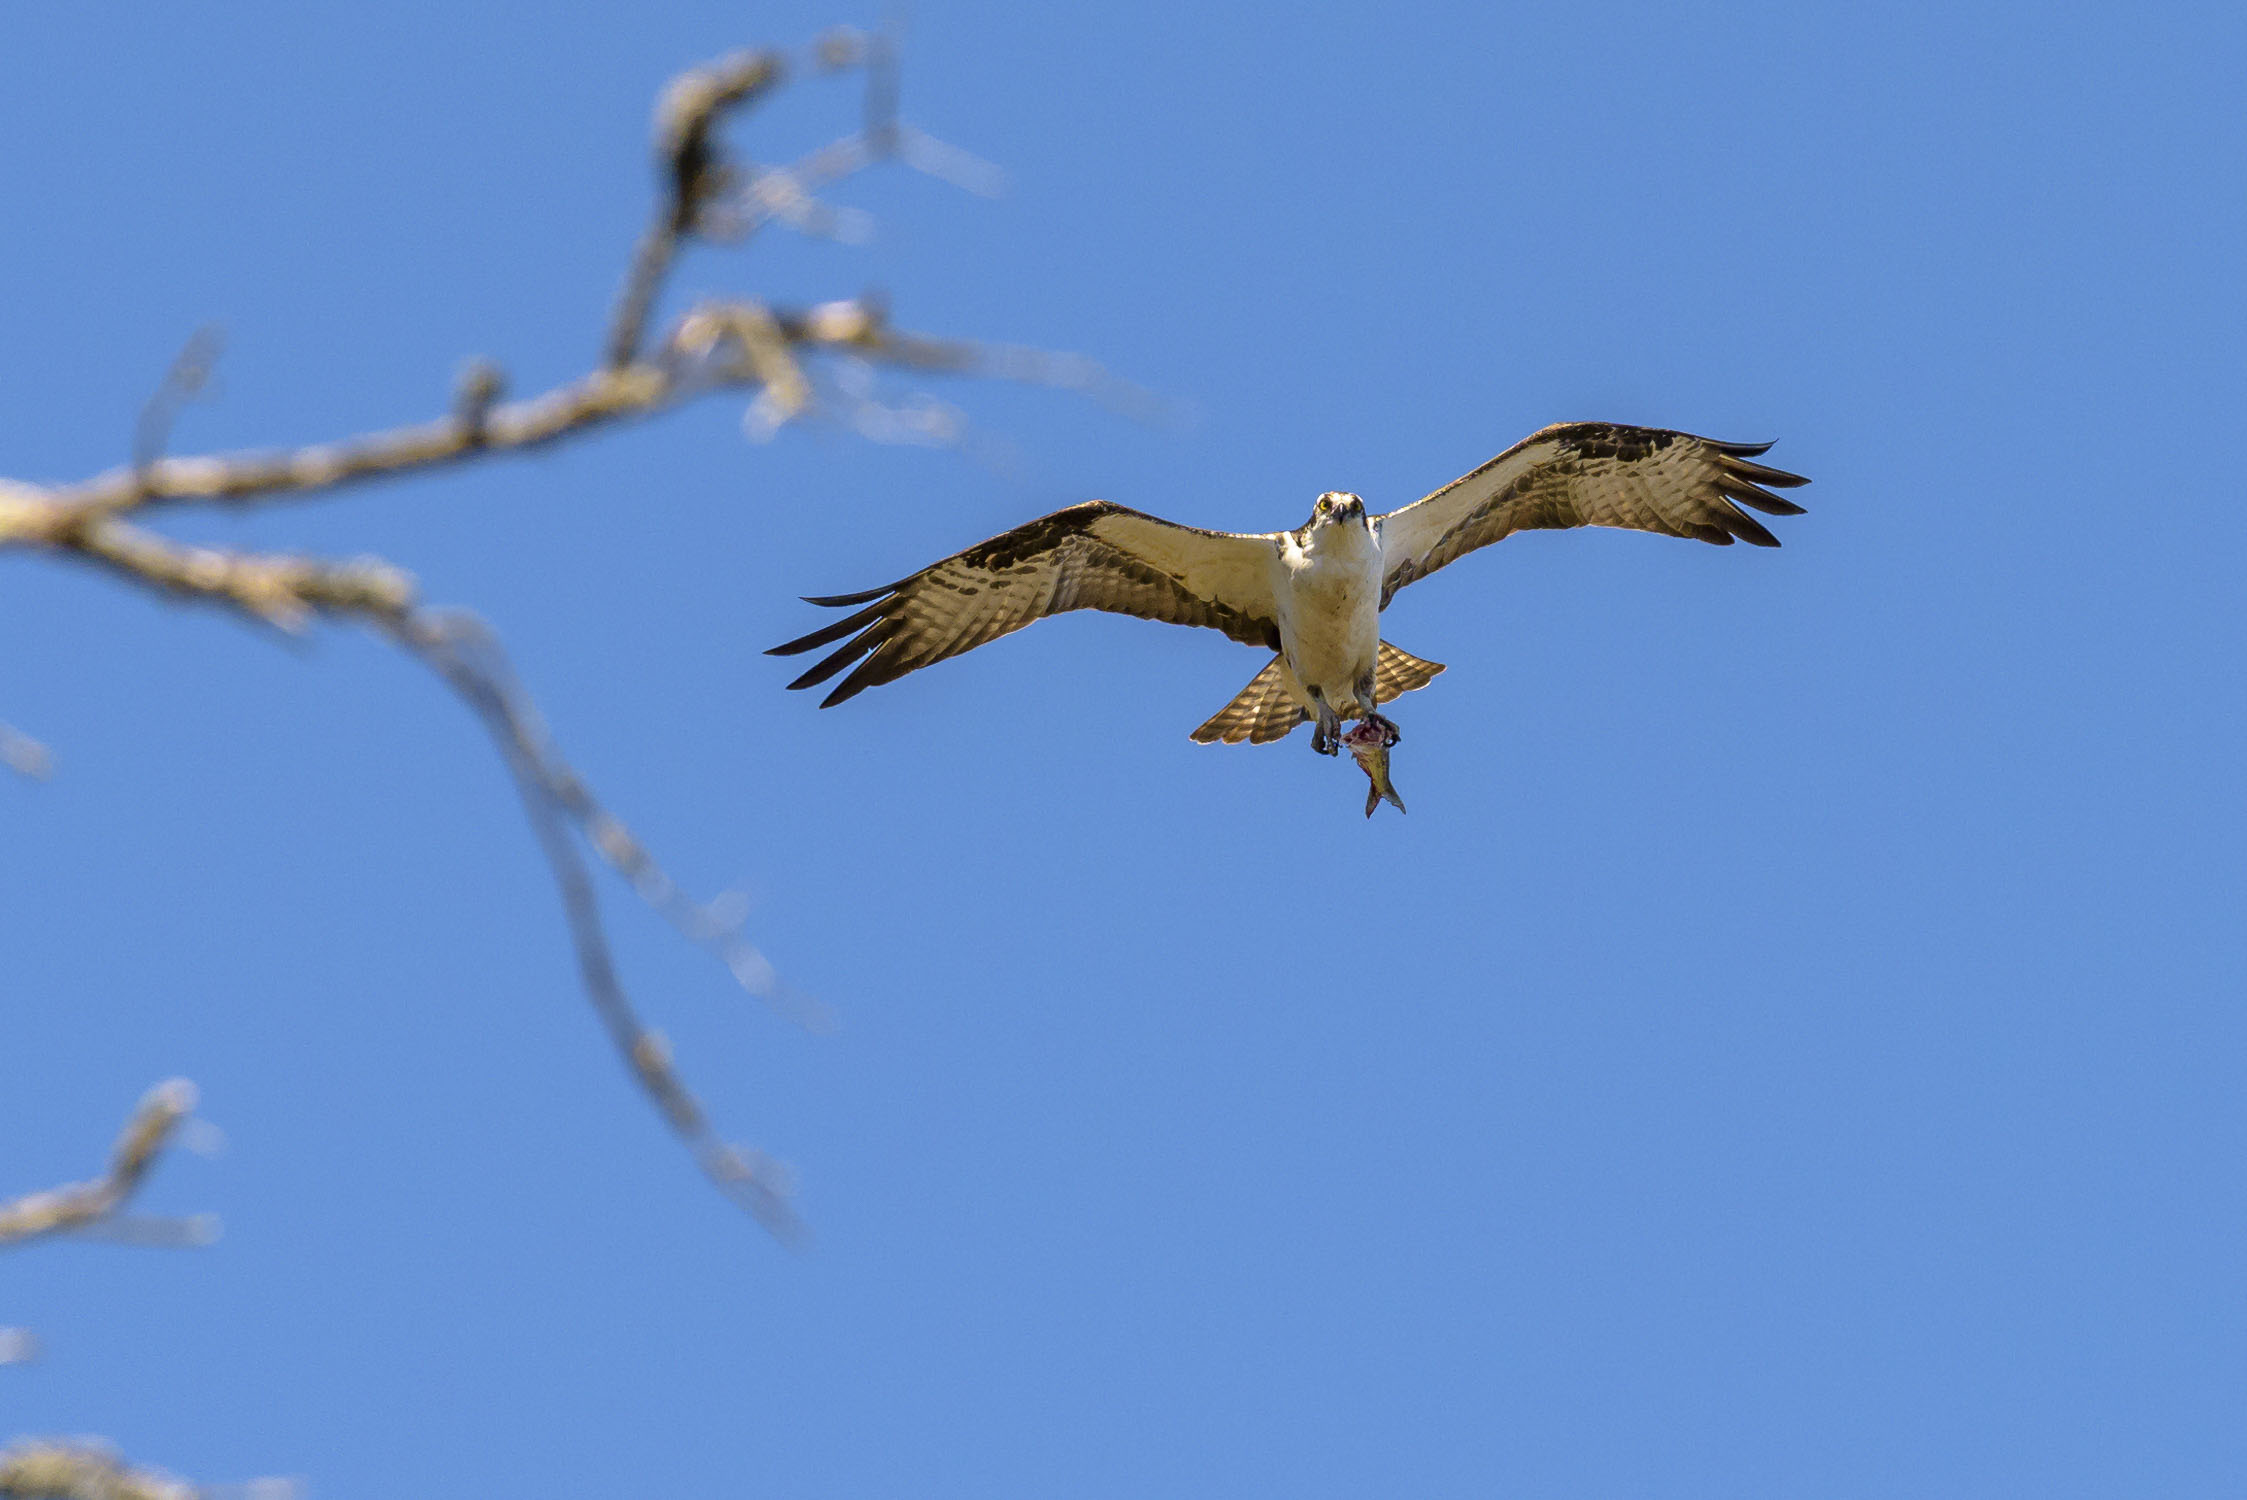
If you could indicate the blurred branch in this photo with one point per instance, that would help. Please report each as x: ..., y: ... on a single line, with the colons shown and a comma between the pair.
x: 25, y: 756
x: 82, y: 1469
x: 704, y: 192
x: 58, y: 516
x: 461, y: 650
x: 189, y: 375
x: 693, y: 171
x: 80, y: 1206
x: 725, y: 344
x: 790, y: 194
x: 715, y: 346
x: 46, y: 1469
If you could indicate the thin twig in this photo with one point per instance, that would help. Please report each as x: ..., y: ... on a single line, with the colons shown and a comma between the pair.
x: 183, y: 382
x: 789, y: 194
x: 78, y: 1206
x: 693, y: 171
x: 25, y: 756
x: 461, y: 650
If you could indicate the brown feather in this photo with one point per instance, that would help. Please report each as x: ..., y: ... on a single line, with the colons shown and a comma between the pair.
x: 1091, y: 556
x: 1589, y: 474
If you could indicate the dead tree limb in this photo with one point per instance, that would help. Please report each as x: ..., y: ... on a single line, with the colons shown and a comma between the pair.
x: 79, y: 1206
x: 80, y: 1469
x: 737, y: 345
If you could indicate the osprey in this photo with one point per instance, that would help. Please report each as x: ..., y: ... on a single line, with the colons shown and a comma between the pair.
x: 1314, y: 595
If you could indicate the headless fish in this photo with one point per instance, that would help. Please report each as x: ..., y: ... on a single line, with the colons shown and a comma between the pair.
x: 1369, y: 747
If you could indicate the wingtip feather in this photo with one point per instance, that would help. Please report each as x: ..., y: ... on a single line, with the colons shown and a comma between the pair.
x: 1749, y: 530
x: 828, y: 634
x: 1744, y: 493
x: 1764, y: 474
x: 813, y: 678
x: 845, y: 601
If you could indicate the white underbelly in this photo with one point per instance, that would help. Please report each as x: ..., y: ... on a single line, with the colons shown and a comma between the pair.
x: 1331, y: 634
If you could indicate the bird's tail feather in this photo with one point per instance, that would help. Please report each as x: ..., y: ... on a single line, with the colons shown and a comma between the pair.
x: 1265, y: 711
x: 1399, y: 672
x: 1260, y: 713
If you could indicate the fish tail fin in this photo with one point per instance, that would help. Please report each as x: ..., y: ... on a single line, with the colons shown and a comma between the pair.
x: 1259, y: 713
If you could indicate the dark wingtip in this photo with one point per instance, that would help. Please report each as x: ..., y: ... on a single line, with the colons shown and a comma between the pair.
x: 849, y: 688
x: 1740, y: 468
x: 803, y: 643
x: 1741, y: 492
x: 1748, y: 529
x: 845, y: 601
x: 827, y: 666
x: 831, y: 632
x: 1742, y: 450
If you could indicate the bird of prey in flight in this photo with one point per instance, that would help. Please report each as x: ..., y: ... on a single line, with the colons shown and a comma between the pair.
x: 1312, y: 596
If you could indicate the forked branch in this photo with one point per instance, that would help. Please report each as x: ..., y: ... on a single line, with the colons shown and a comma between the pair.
x: 742, y: 345
x: 98, y: 1201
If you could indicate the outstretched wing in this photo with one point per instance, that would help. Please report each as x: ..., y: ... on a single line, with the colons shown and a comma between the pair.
x: 1589, y: 474
x: 1090, y: 556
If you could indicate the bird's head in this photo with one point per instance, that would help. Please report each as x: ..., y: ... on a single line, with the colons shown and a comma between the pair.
x: 1337, y: 507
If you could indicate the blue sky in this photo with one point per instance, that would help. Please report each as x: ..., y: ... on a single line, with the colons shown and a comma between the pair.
x: 1792, y: 1046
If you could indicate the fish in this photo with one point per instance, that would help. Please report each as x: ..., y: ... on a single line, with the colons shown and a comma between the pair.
x: 1369, y: 746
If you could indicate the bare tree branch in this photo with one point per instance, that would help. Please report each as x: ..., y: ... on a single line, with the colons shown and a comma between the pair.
x: 80, y: 1206
x: 25, y: 756
x: 81, y: 1469
x: 189, y: 375
x: 55, y: 515
x: 461, y: 650
x: 792, y: 362
x: 694, y: 171
x: 775, y: 354
x: 36, y: 1469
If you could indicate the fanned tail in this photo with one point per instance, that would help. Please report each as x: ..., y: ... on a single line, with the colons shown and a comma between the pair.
x: 1260, y: 713
x: 1399, y: 672
x: 1265, y: 711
